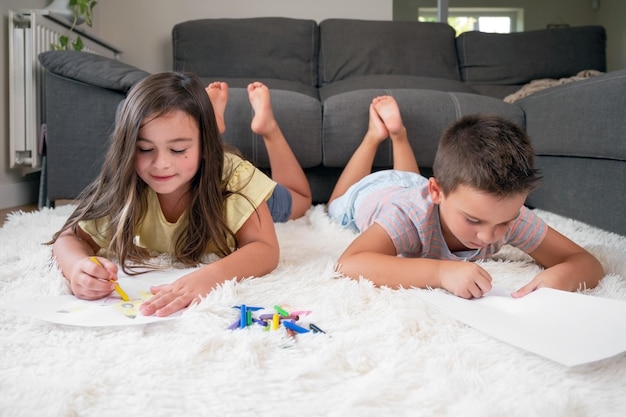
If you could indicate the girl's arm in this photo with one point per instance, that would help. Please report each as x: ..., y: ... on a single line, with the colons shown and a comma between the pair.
x: 568, y: 266
x: 373, y: 256
x: 88, y: 280
x: 257, y: 255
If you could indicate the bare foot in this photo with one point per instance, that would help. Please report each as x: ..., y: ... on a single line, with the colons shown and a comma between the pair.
x: 263, y: 122
x: 387, y: 109
x: 218, y: 94
x: 377, y: 132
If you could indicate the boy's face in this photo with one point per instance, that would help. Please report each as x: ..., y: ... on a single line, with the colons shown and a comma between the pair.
x: 470, y: 218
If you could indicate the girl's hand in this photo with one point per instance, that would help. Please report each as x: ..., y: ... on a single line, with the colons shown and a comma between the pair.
x: 170, y: 298
x: 464, y: 279
x: 90, y: 278
x: 257, y: 241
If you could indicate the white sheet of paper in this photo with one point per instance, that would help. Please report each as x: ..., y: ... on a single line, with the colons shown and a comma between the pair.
x: 569, y: 328
x: 108, y: 311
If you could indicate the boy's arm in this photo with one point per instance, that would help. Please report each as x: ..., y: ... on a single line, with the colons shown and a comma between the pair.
x: 373, y: 255
x: 568, y: 266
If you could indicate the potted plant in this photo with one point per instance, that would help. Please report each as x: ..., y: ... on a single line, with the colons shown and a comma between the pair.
x: 81, y: 11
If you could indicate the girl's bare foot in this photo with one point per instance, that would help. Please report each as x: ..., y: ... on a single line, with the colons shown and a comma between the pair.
x: 218, y: 94
x: 387, y: 109
x: 263, y: 122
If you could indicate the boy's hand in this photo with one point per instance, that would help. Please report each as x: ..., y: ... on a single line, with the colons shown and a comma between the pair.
x: 90, y: 280
x: 568, y: 267
x: 546, y: 278
x: 464, y: 279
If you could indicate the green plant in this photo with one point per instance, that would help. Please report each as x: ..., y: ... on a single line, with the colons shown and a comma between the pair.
x: 82, y: 10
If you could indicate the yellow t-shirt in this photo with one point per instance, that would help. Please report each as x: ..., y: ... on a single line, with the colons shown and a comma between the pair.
x: 157, y: 234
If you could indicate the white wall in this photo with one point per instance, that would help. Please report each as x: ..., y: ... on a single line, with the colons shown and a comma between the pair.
x: 15, y: 189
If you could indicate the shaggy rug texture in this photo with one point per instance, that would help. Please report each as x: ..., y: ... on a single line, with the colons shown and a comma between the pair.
x: 385, y: 352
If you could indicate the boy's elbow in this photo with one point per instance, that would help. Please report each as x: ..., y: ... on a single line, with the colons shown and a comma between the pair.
x: 345, y: 267
x: 599, y: 272
x: 593, y: 272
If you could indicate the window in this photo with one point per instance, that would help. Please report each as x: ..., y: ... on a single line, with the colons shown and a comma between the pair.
x: 484, y: 19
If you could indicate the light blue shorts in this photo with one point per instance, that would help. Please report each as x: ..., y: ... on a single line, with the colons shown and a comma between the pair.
x: 343, y: 209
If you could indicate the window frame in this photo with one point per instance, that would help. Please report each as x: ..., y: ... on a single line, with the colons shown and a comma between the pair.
x: 515, y: 14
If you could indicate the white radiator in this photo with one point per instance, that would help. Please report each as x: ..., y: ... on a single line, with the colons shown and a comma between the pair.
x: 32, y: 32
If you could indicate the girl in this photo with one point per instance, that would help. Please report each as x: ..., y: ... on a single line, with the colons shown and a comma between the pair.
x: 292, y: 195
x: 169, y: 184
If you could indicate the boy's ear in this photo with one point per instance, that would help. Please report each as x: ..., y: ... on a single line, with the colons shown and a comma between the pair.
x: 434, y: 189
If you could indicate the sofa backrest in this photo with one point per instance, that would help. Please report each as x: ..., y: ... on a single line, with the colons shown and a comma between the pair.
x: 518, y: 58
x: 350, y: 48
x: 259, y: 48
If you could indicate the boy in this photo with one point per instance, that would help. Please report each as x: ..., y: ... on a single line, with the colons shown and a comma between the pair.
x: 416, y: 232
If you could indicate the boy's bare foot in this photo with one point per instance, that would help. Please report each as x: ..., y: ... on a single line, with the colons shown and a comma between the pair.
x: 218, y: 94
x: 387, y: 109
x: 377, y: 132
x: 263, y: 122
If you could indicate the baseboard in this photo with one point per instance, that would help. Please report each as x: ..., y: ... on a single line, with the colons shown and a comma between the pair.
x: 19, y: 193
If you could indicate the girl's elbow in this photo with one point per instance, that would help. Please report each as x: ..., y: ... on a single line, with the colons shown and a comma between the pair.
x: 273, y: 256
x: 274, y: 260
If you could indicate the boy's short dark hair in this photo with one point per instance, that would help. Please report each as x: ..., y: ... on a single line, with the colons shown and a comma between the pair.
x: 488, y: 153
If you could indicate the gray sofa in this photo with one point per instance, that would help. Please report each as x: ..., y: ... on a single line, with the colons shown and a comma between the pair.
x: 323, y: 77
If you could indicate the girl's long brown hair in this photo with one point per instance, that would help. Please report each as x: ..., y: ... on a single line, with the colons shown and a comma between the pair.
x: 119, y: 193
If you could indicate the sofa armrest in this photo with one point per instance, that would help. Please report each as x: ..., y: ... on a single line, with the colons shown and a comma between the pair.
x: 580, y: 119
x: 577, y: 130
x: 92, y: 69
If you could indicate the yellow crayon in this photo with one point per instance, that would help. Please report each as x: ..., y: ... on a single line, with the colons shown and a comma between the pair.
x: 118, y: 289
x: 275, y: 321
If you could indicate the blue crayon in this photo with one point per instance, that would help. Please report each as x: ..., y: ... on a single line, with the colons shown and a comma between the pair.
x: 293, y: 326
x: 243, y: 318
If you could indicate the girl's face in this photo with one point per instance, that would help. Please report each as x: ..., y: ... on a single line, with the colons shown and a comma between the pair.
x: 471, y: 219
x: 168, y: 153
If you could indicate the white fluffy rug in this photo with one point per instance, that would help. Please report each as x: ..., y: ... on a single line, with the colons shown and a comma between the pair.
x: 386, y: 352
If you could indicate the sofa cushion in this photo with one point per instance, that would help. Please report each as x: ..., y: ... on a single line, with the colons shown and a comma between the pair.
x: 425, y: 113
x: 92, y: 69
x: 497, y: 91
x: 264, y: 47
x: 392, y: 82
x: 299, y: 117
x: 350, y: 48
x: 518, y: 58
x: 271, y: 83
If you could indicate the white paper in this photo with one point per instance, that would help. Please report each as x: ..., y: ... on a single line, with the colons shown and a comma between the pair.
x: 569, y: 328
x: 108, y: 311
